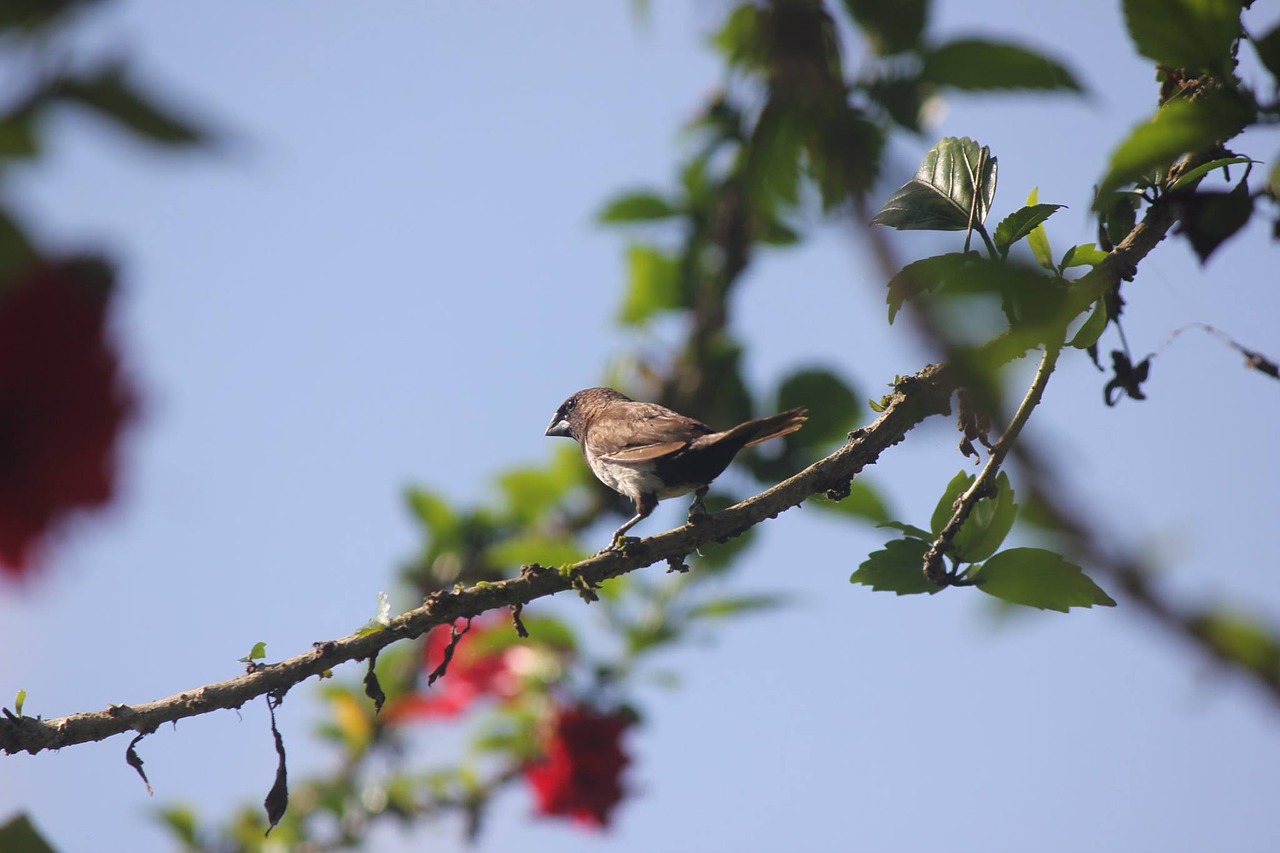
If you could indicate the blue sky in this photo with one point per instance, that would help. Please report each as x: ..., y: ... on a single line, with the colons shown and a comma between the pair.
x: 388, y: 274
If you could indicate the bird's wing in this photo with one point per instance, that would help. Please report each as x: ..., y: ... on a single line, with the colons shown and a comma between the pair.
x: 641, y: 432
x: 645, y: 452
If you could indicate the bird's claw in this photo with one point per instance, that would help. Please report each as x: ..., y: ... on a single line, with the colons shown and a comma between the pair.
x: 620, y: 544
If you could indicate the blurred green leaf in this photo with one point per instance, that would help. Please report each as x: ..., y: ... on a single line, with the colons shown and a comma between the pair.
x: 773, y: 159
x: 941, y: 195
x: 1177, y: 128
x: 1038, y: 578
x: 530, y: 493
x: 1092, y: 329
x: 18, y: 138
x: 718, y: 608
x: 922, y: 276
x: 1241, y: 638
x: 181, y: 821
x: 637, y: 207
x: 16, y: 249
x: 990, y: 521
x: 1021, y: 223
x: 910, y: 529
x: 834, y: 408
x: 432, y: 511
x: 1194, y: 34
x: 864, y: 501
x: 899, y: 568
x: 891, y: 26
x: 739, y: 38
x: 19, y: 700
x: 1210, y: 218
x: 976, y: 64
x: 19, y: 835
x: 1038, y: 238
x: 1083, y: 255
x: 533, y: 547
x: 653, y: 284
x: 903, y: 98
x: 112, y: 96
x: 1267, y: 46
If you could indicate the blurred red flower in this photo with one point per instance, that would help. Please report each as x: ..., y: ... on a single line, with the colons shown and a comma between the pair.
x: 580, y: 776
x: 63, y: 402
x: 475, y: 671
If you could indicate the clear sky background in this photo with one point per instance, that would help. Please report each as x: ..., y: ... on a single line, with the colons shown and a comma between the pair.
x: 389, y: 275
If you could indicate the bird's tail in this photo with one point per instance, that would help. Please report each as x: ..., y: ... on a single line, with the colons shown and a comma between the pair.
x: 762, y: 429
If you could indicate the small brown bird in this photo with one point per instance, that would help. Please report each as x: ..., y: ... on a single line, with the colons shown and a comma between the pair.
x: 649, y: 453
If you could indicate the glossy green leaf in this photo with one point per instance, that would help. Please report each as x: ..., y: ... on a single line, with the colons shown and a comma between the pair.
x: 1195, y: 34
x: 863, y: 501
x: 653, y: 284
x: 891, y: 26
x: 1084, y: 255
x: 1177, y: 128
x: 1038, y: 578
x: 990, y: 521
x: 977, y: 64
x: 637, y: 207
x: 19, y: 835
x: 1088, y: 333
x: 1038, y: 238
x: 112, y: 96
x: 956, y: 177
x: 1021, y: 223
x: 898, y: 568
x: 834, y: 408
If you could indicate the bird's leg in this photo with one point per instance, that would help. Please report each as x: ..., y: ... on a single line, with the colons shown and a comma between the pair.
x: 697, y: 511
x: 645, y: 505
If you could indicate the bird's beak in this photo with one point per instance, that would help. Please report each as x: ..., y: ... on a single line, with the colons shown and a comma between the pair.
x: 559, y: 427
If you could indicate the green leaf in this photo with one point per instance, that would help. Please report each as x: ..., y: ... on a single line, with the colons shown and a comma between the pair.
x: 181, y: 820
x: 1241, y: 638
x: 637, y: 207
x: 1205, y: 168
x: 891, y: 26
x: 910, y: 529
x: 863, y: 501
x: 653, y: 284
x: 19, y: 835
x: 109, y: 94
x: 1038, y: 238
x: 1021, y: 223
x: 1177, y: 128
x: 899, y: 568
x: 432, y: 511
x: 1092, y: 329
x: 990, y: 521
x: 18, y: 701
x: 1209, y: 218
x: 540, y: 548
x: 945, y: 507
x: 833, y: 406
x: 1038, y: 578
x: 1194, y: 34
x: 258, y: 652
x: 1084, y: 255
x: 739, y: 38
x: 922, y: 276
x: 773, y: 165
x: 976, y: 64
x: 529, y: 492
x: 943, y: 192
x: 719, y: 608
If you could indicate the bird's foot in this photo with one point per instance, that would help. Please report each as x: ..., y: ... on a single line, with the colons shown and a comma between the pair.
x: 620, y: 544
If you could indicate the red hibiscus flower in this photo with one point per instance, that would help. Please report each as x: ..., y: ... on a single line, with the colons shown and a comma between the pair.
x: 580, y: 776
x: 63, y: 402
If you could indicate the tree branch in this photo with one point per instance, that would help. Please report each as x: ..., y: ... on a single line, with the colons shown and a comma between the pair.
x: 914, y: 399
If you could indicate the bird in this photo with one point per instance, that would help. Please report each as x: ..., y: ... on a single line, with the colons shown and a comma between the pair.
x: 648, y: 453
